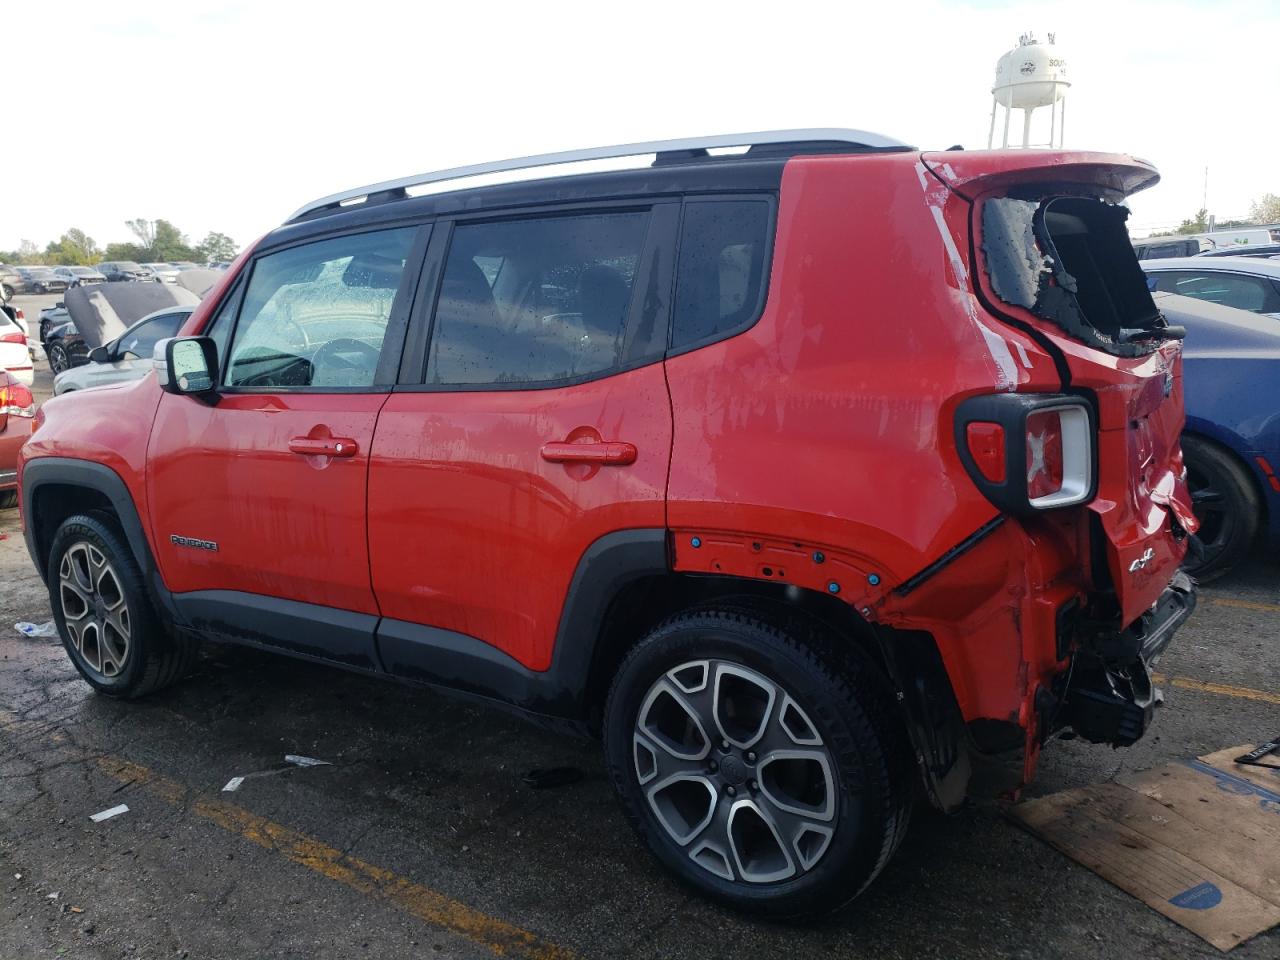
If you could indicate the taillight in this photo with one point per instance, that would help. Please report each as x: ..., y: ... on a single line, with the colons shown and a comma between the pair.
x: 16, y: 401
x: 16, y: 337
x: 1028, y: 452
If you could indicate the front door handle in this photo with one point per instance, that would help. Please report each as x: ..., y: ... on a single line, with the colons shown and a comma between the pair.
x: 607, y: 452
x: 323, y: 447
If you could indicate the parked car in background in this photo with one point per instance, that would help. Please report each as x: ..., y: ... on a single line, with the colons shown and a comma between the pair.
x: 218, y: 264
x: 1252, y: 250
x: 1231, y: 442
x: 164, y: 272
x: 80, y: 276
x: 1245, y: 283
x: 1238, y: 237
x: 605, y: 449
x: 97, y: 316
x: 127, y: 357
x: 17, y: 413
x: 119, y: 270
x: 63, y: 345
x: 11, y: 282
x: 43, y: 280
x: 15, y: 355
x: 51, y: 317
x: 1162, y: 247
x: 184, y: 265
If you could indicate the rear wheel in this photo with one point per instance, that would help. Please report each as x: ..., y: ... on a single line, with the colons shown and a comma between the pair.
x: 760, y: 760
x: 8, y: 498
x: 6, y: 292
x: 104, y: 615
x: 1226, y: 504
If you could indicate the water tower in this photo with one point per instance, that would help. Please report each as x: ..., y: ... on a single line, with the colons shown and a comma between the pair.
x: 1030, y: 76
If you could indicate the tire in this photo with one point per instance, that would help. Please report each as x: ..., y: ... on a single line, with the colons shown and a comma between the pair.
x: 1226, y: 503
x: 8, y: 499
x: 834, y: 775
x: 104, y: 616
x: 59, y: 360
x: 6, y: 292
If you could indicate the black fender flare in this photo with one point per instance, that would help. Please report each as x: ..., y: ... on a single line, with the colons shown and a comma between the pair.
x: 89, y: 475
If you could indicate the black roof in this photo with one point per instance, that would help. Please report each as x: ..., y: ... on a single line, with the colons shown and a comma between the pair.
x: 726, y: 174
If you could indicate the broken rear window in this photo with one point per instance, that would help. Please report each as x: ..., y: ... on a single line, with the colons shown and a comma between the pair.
x: 1069, y: 261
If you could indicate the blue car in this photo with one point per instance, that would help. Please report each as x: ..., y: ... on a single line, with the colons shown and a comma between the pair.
x: 1231, y: 445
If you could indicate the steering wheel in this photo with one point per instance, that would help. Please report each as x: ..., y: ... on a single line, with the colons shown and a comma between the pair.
x: 329, y: 364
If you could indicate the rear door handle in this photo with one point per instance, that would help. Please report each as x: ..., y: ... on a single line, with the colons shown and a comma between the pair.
x: 614, y: 452
x: 323, y: 447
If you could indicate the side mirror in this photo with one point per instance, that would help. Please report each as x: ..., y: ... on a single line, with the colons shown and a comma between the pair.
x: 100, y: 355
x: 187, y: 365
x: 59, y: 305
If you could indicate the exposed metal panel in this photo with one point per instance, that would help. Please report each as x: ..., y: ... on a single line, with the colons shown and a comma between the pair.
x: 859, y: 138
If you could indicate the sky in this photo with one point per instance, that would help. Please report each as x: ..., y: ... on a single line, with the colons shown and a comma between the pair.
x: 228, y: 116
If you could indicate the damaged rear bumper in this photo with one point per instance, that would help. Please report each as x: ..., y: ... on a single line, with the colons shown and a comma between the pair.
x: 1108, y: 695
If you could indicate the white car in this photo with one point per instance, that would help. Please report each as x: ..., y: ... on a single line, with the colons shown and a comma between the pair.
x: 1246, y: 283
x: 165, y: 272
x: 15, y: 355
x: 128, y: 357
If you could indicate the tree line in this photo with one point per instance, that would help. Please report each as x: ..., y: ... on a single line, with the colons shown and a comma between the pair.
x: 156, y: 241
x: 1266, y: 210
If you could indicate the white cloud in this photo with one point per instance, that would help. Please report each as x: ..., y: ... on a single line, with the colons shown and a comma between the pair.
x: 221, y: 116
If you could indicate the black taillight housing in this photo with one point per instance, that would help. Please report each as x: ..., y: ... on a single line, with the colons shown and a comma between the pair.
x: 1029, y: 452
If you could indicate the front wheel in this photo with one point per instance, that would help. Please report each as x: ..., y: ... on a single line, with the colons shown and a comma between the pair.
x: 1225, y: 502
x: 761, y: 761
x: 103, y: 613
x: 6, y: 292
x: 59, y: 359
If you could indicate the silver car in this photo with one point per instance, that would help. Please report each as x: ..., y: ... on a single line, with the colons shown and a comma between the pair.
x: 128, y: 357
x: 1246, y: 283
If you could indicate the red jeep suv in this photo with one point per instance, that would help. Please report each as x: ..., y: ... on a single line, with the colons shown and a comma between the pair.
x: 806, y: 477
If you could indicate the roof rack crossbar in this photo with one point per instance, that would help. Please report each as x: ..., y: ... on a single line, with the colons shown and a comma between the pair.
x: 856, y: 138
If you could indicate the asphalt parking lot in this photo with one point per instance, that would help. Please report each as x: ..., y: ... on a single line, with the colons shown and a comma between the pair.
x: 420, y: 838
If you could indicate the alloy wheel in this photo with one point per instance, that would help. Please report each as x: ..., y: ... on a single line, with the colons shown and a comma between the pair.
x: 58, y: 360
x: 94, y: 609
x: 734, y: 772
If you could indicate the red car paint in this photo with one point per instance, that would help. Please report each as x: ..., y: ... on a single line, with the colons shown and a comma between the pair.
x: 15, y: 426
x: 814, y: 449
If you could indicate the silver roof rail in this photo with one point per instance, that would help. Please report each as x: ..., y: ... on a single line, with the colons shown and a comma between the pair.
x: 855, y: 138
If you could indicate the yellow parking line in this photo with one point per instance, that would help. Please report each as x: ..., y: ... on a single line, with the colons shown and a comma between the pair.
x: 1245, y: 604
x: 1223, y: 689
x: 504, y: 939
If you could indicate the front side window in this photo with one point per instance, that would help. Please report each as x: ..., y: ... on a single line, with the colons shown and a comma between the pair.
x: 316, y: 315
x: 535, y: 300
x: 140, y: 342
x: 721, y: 271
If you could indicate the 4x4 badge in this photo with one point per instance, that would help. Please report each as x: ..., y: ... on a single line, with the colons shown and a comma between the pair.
x: 1138, y: 564
x: 178, y: 541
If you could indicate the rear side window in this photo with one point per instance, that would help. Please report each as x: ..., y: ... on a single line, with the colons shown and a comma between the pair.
x: 1255, y: 294
x: 720, y: 275
x: 536, y: 300
x: 316, y: 315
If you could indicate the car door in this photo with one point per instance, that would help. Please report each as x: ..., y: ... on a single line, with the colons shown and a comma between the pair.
x: 258, y: 500
x: 534, y: 422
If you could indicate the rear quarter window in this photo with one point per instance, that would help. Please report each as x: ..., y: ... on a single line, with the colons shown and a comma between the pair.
x: 721, y: 270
